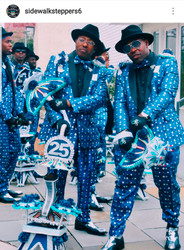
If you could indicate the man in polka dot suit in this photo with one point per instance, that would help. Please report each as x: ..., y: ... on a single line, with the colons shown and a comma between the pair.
x: 144, y: 93
x: 11, y: 107
x: 84, y: 93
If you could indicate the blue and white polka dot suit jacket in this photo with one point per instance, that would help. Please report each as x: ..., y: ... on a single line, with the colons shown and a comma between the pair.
x: 83, y: 119
x: 160, y: 104
x: 11, y: 105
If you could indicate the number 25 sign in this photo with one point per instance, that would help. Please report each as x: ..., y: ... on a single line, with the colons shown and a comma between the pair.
x: 59, y: 148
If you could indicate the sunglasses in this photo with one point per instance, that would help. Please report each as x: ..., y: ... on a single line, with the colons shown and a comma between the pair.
x: 127, y: 48
x: 20, y: 50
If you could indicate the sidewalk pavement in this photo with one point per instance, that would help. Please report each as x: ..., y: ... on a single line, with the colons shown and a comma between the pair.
x: 145, y: 228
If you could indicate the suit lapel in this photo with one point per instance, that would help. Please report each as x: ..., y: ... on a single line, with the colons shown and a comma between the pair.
x: 132, y: 81
x: 73, y: 73
x: 87, y: 79
x: 150, y: 76
x: 132, y: 84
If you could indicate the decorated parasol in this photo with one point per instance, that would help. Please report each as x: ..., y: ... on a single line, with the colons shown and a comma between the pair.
x: 39, y: 92
x: 147, y: 149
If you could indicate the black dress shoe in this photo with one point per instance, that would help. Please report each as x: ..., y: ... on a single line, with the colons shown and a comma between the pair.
x: 7, y: 198
x: 114, y: 243
x: 14, y: 193
x: 103, y: 199
x: 89, y: 227
x: 96, y: 207
x: 172, y: 239
x: 50, y: 177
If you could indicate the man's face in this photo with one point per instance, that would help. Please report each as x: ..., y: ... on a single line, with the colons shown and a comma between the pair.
x: 32, y: 62
x: 137, y: 55
x: 7, y: 45
x: 85, y: 47
x: 20, y: 55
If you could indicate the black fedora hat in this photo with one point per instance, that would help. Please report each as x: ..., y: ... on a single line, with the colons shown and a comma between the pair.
x: 5, y: 33
x: 32, y: 54
x: 131, y: 33
x: 19, y: 45
x: 102, y: 50
x: 90, y: 31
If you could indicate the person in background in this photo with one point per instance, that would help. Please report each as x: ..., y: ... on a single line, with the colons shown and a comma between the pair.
x: 144, y: 94
x: 21, y: 71
x: 11, y: 116
x: 31, y: 59
x: 104, y: 114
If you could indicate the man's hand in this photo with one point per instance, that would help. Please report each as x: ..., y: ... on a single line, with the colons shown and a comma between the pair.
x: 59, y: 104
x: 22, y: 119
x: 12, y: 122
x: 137, y: 123
x: 126, y: 143
x: 60, y: 123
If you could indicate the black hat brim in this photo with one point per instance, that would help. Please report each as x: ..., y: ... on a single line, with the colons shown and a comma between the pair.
x: 37, y: 57
x: 7, y: 34
x: 119, y: 45
x: 99, y: 52
x: 78, y: 32
x: 105, y: 50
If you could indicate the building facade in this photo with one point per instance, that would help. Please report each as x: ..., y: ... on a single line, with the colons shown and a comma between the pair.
x: 52, y: 38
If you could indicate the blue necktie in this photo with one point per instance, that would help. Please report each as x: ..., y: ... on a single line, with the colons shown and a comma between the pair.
x: 145, y: 63
x: 86, y: 64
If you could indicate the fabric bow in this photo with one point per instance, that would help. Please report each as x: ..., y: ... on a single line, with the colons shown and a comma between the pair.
x: 145, y: 63
x: 78, y: 60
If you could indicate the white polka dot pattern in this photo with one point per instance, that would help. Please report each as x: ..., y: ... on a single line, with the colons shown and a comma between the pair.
x: 9, y: 138
x: 166, y: 125
x: 84, y: 132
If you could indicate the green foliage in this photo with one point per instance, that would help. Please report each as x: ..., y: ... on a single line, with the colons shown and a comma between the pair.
x: 30, y: 44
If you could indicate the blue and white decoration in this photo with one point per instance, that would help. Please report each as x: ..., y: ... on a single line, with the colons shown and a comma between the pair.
x: 60, y: 148
x: 147, y: 149
x: 37, y: 93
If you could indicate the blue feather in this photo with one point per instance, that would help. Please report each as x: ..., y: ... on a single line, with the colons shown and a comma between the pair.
x: 23, y: 237
x: 34, y: 102
x: 53, y: 85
